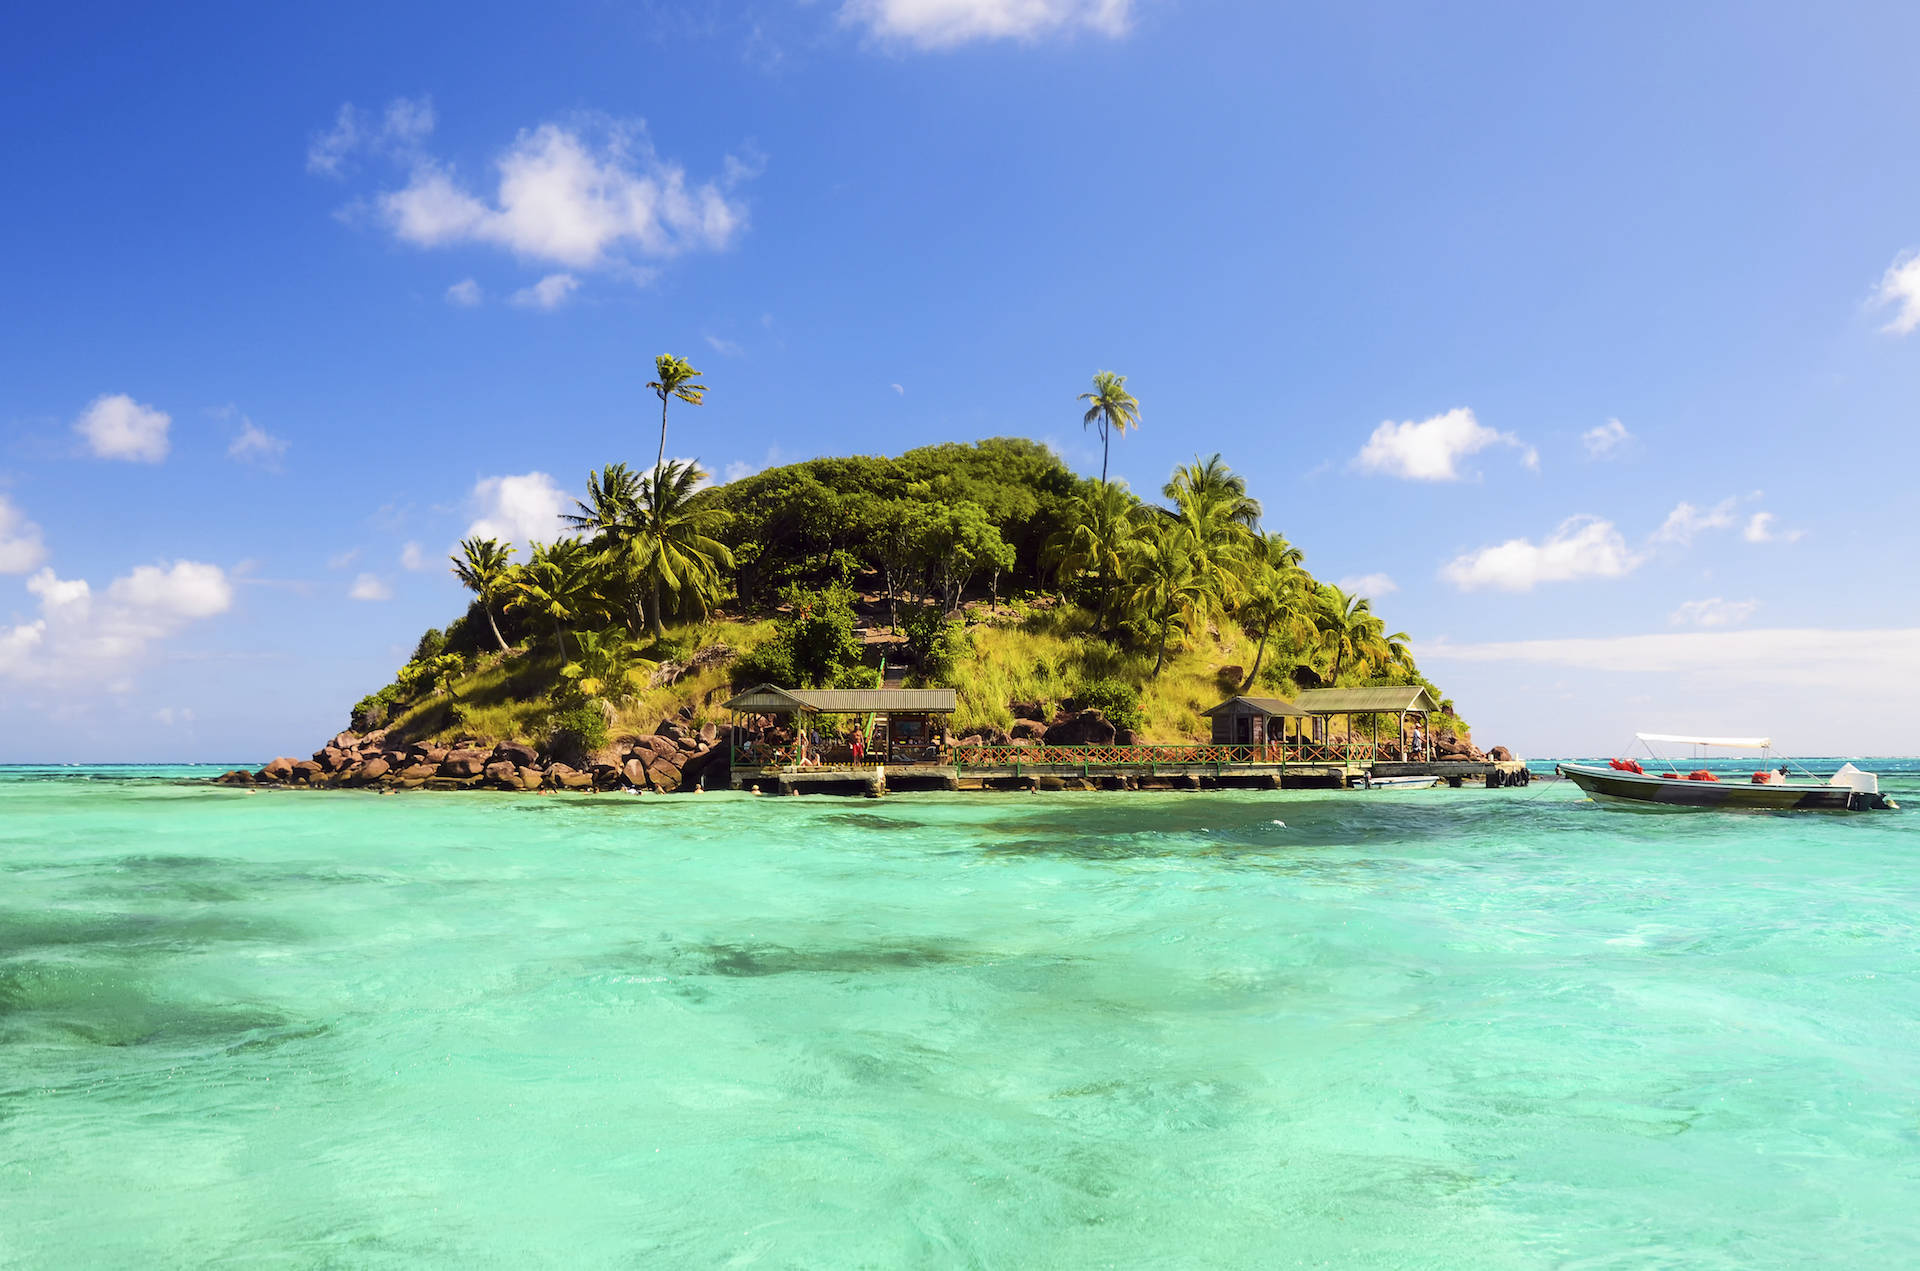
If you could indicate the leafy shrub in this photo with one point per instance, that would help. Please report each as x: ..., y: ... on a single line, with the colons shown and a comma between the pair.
x: 432, y: 643
x: 771, y: 663
x: 579, y: 731
x: 936, y: 643
x: 811, y: 646
x: 375, y: 709
x: 1118, y: 700
x: 858, y: 677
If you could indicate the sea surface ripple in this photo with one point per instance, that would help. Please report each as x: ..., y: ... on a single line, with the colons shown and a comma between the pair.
x: 1473, y: 1029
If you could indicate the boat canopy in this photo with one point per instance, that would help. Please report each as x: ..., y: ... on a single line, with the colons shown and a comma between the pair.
x: 1735, y: 743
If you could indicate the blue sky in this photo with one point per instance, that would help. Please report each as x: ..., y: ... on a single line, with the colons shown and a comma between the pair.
x: 1588, y: 342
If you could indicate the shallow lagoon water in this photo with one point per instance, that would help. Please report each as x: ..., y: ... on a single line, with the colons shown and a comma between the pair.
x: 1398, y: 1029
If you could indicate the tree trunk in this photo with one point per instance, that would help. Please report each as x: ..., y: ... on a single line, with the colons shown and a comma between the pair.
x: 661, y: 462
x: 1166, y: 620
x: 1103, y: 452
x: 495, y: 624
x: 1258, y: 654
x: 653, y: 613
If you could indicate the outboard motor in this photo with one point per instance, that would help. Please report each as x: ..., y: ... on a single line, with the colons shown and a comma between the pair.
x: 1865, y: 789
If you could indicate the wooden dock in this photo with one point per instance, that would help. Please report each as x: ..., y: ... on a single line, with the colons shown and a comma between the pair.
x: 1134, y: 768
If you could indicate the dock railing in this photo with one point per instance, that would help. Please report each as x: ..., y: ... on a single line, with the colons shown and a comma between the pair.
x: 1179, y: 754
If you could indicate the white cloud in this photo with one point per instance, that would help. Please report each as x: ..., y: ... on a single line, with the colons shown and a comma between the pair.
x: 1900, y: 288
x: 1760, y: 529
x: 1582, y: 547
x: 465, y: 293
x: 1686, y: 520
x: 400, y: 131
x: 256, y: 445
x: 1605, y: 440
x: 568, y: 198
x: 549, y: 293
x: 932, y: 24
x: 414, y: 557
x: 21, y: 547
x: 1431, y: 449
x: 369, y: 587
x: 1713, y: 612
x: 1373, y: 586
x: 340, y: 560
x: 523, y: 509
x: 83, y: 637
x: 725, y: 348
x: 117, y: 427
x: 901, y: 389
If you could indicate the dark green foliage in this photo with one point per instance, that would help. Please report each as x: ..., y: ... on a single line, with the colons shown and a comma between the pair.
x: 432, y: 643
x: 579, y: 731
x: 375, y: 709
x: 857, y: 677
x: 935, y: 642
x: 812, y: 644
x: 1118, y: 700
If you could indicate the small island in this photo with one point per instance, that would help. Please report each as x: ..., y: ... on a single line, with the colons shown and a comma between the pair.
x: 784, y: 631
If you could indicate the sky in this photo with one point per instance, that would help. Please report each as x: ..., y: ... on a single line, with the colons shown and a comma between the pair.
x: 1585, y: 342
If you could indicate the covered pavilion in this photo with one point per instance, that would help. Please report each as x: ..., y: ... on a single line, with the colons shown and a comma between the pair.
x: 1408, y: 701
x: 900, y: 725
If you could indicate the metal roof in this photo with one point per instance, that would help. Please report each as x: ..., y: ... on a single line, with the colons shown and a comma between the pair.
x: 844, y: 701
x: 1255, y: 706
x: 1367, y: 701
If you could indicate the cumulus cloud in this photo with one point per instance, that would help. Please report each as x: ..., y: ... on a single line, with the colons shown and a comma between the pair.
x: 590, y: 197
x: 255, y: 445
x: 523, y: 509
x: 1686, y: 521
x: 21, y: 547
x: 1760, y: 529
x: 1582, y: 547
x: 1713, y: 612
x: 117, y: 427
x: 1373, y: 586
x: 369, y: 587
x: 935, y: 24
x: 549, y: 293
x: 465, y: 293
x: 414, y: 557
x: 81, y: 636
x: 1431, y: 449
x: 1604, y: 441
x: 1900, y: 290
x: 900, y: 390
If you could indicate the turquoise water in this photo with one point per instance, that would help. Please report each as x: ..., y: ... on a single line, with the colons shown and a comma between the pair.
x: 1399, y: 1029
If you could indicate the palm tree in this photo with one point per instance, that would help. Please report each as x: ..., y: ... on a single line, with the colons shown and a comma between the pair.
x: 1215, y: 484
x: 1210, y: 504
x: 1103, y: 522
x: 484, y: 567
x: 1275, y: 601
x: 1349, y: 631
x: 611, y: 516
x: 677, y: 379
x: 557, y: 584
x: 1164, y: 585
x: 1112, y: 407
x: 674, y: 548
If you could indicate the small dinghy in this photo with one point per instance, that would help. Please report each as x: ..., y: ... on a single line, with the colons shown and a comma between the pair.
x: 1400, y: 783
x: 1628, y: 783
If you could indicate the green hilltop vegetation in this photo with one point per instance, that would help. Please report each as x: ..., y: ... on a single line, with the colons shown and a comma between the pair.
x: 988, y: 567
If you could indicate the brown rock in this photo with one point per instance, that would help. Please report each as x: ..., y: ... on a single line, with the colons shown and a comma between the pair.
x: 305, y: 771
x: 452, y: 783
x: 670, y: 729
x: 374, y: 769
x: 331, y: 759
x: 709, y: 733
x: 502, y: 772
x: 463, y: 763
x: 435, y: 755
x: 344, y: 741
x: 411, y: 783
x: 710, y: 766
x: 689, y: 745
x: 235, y: 778
x: 1088, y: 728
x: 531, y: 778
x: 636, y: 773
x: 1026, y: 728
x: 607, y: 777
x: 1500, y: 754
x: 418, y: 771
x: 1024, y: 710
x: 278, y: 769
x: 517, y: 753
x: 1125, y: 737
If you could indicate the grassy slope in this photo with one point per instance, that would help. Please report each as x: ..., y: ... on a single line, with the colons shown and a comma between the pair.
x: 1040, y: 656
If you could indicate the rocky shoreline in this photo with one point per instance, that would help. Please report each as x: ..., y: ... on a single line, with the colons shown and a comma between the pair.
x: 675, y: 758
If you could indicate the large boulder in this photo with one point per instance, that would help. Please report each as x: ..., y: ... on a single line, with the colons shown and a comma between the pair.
x: 635, y: 772
x: 517, y: 753
x: 531, y: 778
x: 670, y: 728
x: 417, y: 771
x: 373, y: 769
x: 1024, y: 710
x: 710, y: 766
x: 464, y: 763
x: 235, y: 778
x: 709, y: 733
x: 502, y: 772
x: 332, y: 758
x: 1088, y: 728
x: 1026, y: 729
x: 344, y: 741
x: 607, y: 777
x: 1500, y: 754
x: 278, y: 769
x: 305, y: 772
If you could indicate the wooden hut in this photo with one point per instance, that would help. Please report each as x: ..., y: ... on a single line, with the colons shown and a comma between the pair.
x: 1410, y: 702
x: 900, y: 725
x: 1252, y: 721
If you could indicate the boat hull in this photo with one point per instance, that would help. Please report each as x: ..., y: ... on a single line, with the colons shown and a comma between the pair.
x: 1607, y: 786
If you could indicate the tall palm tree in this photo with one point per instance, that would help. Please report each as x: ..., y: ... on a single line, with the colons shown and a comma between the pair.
x: 1102, y: 523
x: 1274, y: 602
x: 675, y: 550
x: 1210, y: 504
x: 483, y: 568
x: 1164, y: 586
x: 557, y: 584
x: 1216, y: 485
x: 677, y: 379
x: 611, y: 516
x: 1349, y: 630
x: 1112, y: 407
